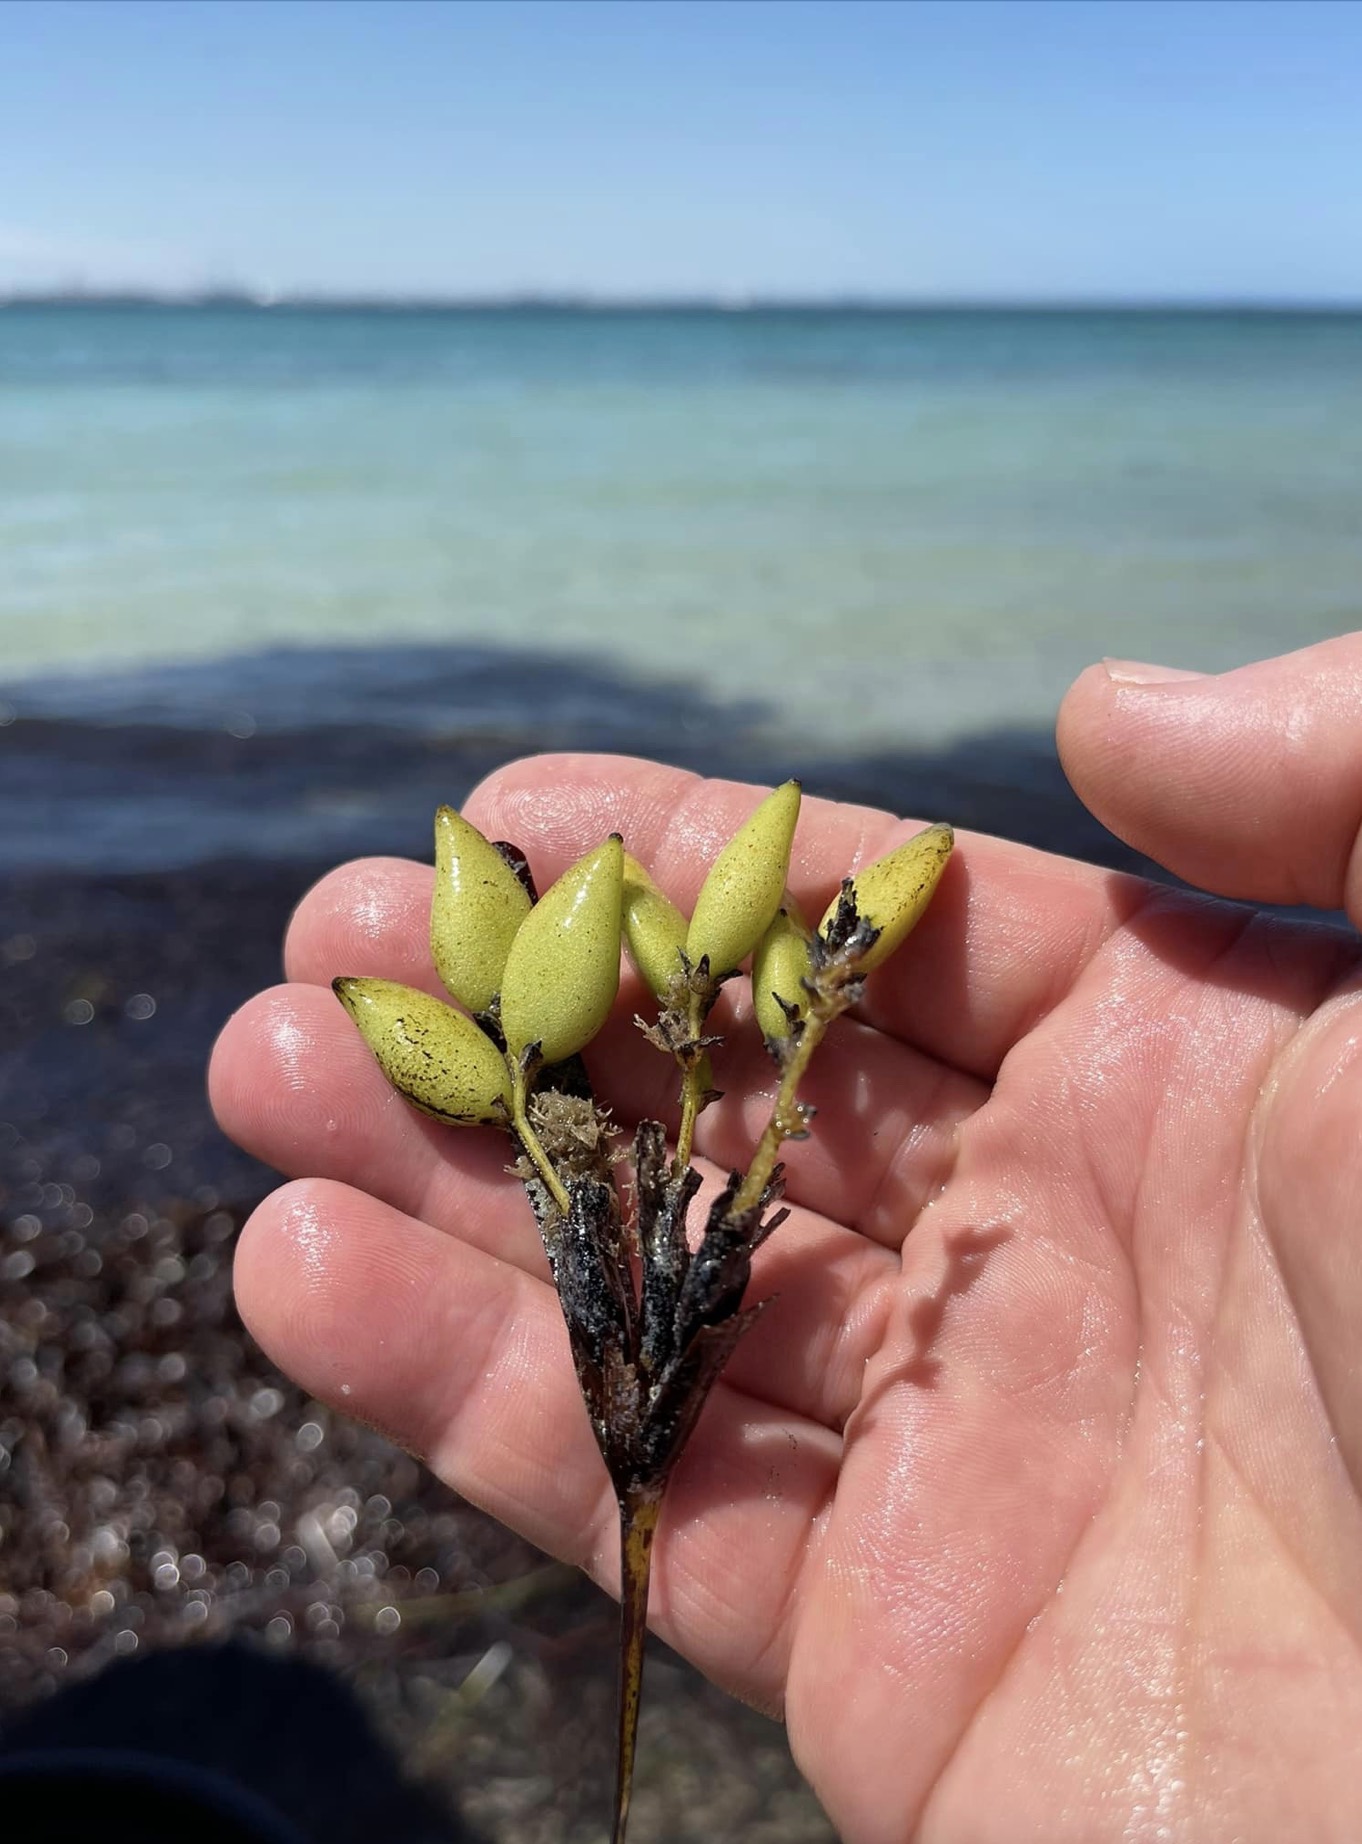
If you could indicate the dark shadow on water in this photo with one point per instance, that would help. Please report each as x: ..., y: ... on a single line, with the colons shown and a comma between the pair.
x: 318, y: 754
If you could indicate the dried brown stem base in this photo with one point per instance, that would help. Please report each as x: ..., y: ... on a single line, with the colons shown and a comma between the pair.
x: 638, y: 1526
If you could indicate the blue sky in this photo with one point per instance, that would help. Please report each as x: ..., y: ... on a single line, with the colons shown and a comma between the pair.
x: 1165, y: 149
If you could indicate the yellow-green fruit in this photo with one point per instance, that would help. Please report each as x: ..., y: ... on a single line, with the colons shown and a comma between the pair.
x: 479, y: 904
x: 564, y: 966
x: 430, y: 1053
x: 780, y: 965
x: 742, y: 893
x: 893, y: 893
x: 654, y: 929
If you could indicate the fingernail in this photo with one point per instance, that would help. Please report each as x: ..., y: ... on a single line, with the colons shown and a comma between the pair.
x: 1135, y: 672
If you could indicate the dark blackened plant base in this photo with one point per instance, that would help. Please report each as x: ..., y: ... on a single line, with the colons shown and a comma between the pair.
x: 647, y: 1350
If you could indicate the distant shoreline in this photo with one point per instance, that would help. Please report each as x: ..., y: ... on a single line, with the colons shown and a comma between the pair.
x: 248, y: 302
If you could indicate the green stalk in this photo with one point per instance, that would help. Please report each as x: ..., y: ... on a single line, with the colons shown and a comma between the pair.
x: 690, y: 1093
x: 785, y: 1117
x: 529, y: 1139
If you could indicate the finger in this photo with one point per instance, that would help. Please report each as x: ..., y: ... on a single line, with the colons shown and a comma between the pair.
x: 464, y: 1359
x: 1247, y: 783
x: 370, y: 918
x: 887, y: 1114
x: 808, y: 1357
x: 293, y: 1082
x: 1008, y: 932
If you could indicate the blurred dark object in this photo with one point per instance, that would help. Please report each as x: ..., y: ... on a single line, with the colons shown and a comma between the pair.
x: 218, y: 1744
x: 297, y: 756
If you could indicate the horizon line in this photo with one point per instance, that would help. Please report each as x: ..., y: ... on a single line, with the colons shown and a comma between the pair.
x: 568, y: 301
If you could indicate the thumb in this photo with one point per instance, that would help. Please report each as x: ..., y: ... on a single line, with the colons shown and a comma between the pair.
x: 1247, y: 783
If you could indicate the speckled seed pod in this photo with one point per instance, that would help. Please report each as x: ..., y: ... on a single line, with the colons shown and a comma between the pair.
x: 479, y: 904
x: 654, y: 929
x: 780, y: 964
x: 742, y: 893
x: 893, y: 893
x: 564, y: 966
x: 432, y: 1054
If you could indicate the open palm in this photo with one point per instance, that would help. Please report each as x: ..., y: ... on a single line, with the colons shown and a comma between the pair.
x: 1032, y: 1501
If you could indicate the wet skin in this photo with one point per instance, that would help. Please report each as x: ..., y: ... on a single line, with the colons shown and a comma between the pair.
x: 1033, y: 1501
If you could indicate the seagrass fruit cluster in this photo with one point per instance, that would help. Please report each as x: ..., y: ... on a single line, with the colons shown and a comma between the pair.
x: 653, y: 1311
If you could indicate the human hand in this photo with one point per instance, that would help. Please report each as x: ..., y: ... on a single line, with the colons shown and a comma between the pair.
x: 1040, y: 1522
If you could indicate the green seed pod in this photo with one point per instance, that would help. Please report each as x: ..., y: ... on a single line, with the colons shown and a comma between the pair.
x: 654, y: 929
x: 478, y: 906
x: 432, y: 1054
x: 893, y: 893
x: 780, y: 964
x: 564, y: 966
x: 742, y: 893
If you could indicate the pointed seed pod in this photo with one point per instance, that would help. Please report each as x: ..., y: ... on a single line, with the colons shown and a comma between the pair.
x: 432, y: 1054
x: 564, y: 966
x: 654, y: 929
x: 479, y: 904
x: 780, y: 964
x: 893, y: 893
x: 742, y: 892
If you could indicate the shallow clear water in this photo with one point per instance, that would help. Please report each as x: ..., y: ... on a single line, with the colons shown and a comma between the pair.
x: 879, y: 525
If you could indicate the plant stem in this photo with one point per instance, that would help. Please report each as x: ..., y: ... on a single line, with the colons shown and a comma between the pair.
x: 529, y: 1139
x: 690, y: 1093
x: 639, y: 1510
x: 785, y: 1118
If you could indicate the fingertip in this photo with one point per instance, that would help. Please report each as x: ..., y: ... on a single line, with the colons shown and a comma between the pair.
x: 264, y: 1247
x: 1114, y: 707
x: 233, y: 1074
x: 554, y: 807
x: 289, y: 1277
x: 344, y: 1295
x: 369, y: 917
x: 1090, y: 681
x: 1247, y: 783
x: 292, y: 1081
x: 1083, y: 726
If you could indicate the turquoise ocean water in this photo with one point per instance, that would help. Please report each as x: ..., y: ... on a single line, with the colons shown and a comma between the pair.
x: 875, y: 523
